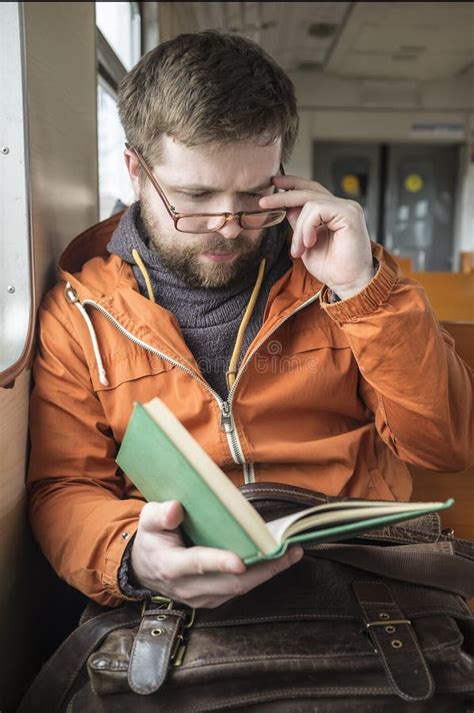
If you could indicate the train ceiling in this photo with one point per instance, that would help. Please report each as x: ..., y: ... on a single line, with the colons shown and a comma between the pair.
x: 389, y: 40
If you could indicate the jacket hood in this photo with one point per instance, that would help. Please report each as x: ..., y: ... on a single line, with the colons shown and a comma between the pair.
x: 91, y: 243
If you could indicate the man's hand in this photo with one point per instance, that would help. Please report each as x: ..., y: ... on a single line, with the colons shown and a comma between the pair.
x: 329, y: 234
x: 197, y: 576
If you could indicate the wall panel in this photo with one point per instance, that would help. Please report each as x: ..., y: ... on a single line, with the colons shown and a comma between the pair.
x: 61, y: 84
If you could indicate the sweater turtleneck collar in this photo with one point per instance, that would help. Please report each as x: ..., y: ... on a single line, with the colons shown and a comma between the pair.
x: 203, y: 303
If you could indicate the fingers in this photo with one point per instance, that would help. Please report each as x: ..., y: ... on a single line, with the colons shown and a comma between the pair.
x: 266, y: 570
x: 191, y: 561
x: 213, y: 589
x: 198, y: 576
x: 305, y: 233
x: 296, y: 192
x: 156, y: 517
x: 290, y: 183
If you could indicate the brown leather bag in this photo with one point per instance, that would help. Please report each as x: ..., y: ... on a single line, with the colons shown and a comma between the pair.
x: 373, y: 625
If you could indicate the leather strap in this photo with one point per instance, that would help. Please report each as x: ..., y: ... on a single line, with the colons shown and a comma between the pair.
x: 431, y: 565
x: 53, y: 683
x: 154, y: 645
x: 395, y: 642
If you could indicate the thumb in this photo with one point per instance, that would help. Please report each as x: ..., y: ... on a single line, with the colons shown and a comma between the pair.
x: 292, y: 215
x: 161, y: 516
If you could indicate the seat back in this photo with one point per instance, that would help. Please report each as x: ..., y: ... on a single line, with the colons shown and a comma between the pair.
x: 431, y: 485
x: 451, y: 294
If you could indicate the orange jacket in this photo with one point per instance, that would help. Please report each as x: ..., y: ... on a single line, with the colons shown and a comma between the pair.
x: 331, y: 397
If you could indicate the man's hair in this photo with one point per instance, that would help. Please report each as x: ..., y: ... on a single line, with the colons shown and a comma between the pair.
x: 208, y: 88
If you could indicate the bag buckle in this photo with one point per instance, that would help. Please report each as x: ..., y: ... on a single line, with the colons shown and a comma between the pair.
x: 387, y: 623
x: 179, y: 649
x: 159, y: 602
x: 166, y: 604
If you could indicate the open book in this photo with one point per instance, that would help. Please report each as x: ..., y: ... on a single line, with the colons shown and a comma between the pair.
x: 165, y: 463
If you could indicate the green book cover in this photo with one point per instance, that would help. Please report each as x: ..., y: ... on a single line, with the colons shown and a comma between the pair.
x: 165, y: 463
x: 162, y: 472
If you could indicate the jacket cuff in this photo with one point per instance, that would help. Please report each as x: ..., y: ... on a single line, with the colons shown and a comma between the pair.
x: 363, y: 303
x: 126, y: 578
x: 115, y: 555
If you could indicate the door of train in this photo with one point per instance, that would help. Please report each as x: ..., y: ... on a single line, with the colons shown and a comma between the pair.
x: 407, y: 192
x: 351, y: 171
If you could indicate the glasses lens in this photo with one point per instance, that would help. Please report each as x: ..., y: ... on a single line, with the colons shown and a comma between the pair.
x: 211, y: 223
x: 254, y: 221
x: 200, y: 223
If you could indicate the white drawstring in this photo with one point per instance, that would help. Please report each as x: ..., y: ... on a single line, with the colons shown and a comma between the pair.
x: 95, y: 345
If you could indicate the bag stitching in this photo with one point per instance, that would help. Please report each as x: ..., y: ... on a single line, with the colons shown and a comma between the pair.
x: 281, y: 695
x: 164, y: 657
x: 388, y: 671
x: 411, y: 635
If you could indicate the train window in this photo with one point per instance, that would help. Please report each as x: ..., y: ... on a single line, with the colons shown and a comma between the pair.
x: 114, y: 182
x: 118, y: 49
x: 17, y: 307
x: 119, y: 22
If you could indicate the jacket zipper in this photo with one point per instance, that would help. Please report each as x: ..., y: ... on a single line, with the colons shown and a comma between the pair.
x: 249, y: 470
x: 227, y: 420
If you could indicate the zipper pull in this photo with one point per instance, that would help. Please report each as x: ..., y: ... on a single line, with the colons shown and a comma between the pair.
x: 227, y: 422
x: 71, y: 293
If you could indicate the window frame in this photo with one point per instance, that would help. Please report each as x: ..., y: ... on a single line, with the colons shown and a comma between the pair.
x: 17, y: 279
x: 110, y: 68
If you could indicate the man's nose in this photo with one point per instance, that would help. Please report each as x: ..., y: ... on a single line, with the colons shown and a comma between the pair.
x: 231, y: 229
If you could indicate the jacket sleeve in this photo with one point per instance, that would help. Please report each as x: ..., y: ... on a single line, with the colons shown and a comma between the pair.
x: 78, y: 509
x: 419, y: 389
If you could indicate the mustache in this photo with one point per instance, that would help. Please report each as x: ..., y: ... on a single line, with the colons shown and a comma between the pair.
x: 224, y: 246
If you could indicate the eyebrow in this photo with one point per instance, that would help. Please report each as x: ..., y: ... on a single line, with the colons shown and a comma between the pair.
x: 212, y: 189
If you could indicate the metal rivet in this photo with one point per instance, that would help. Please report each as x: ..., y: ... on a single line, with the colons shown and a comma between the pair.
x: 384, y: 615
x: 100, y: 663
x: 396, y: 643
x: 156, y: 632
x: 161, y: 617
x: 389, y: 629
x: 5, y: 150
x: 11, y: 289
x: 448, y: 532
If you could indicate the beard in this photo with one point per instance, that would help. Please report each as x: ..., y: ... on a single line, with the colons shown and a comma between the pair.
x: 184, y: 261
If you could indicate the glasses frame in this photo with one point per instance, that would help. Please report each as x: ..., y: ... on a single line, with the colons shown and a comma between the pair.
x: 175, y: 216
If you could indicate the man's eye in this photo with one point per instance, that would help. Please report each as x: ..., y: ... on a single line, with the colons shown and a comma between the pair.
x: 202, y: 195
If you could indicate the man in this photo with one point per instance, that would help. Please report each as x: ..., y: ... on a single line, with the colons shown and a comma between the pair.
x: 255, y: 306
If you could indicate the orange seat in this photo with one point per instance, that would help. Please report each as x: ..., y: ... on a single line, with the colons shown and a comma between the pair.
x: 466, y: 262
x: 405, y: 263
x: 451, y: 294
x: 432, y: 485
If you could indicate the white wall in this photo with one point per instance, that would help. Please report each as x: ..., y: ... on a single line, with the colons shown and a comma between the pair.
x: 319, y: 90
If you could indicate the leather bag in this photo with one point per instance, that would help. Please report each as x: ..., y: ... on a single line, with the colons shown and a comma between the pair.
x: 375, y: 624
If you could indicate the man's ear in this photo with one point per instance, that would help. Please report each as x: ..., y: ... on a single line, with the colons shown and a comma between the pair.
x: 133, y: 168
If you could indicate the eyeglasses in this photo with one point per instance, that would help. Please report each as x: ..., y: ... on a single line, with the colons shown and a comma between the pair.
x: 212, y: 222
